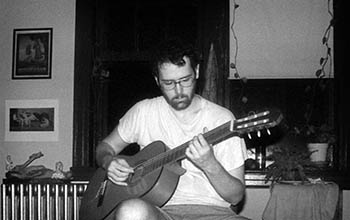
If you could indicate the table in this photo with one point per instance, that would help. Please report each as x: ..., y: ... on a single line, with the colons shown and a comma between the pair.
x: 310, y: 201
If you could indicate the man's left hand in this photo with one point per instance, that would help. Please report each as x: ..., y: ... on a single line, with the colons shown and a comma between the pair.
x: 200, y: 152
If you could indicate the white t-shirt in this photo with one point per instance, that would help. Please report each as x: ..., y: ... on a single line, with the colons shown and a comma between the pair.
x: 153, y: 119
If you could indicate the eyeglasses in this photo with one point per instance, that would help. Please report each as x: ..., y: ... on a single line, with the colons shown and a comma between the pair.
x: 170, y: 84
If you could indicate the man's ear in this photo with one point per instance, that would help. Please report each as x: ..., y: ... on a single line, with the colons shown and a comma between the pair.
x: 197, y: 71
x: 157, y: 81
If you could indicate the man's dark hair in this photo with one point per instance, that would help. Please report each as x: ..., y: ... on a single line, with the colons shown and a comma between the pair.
x: 173, y: 51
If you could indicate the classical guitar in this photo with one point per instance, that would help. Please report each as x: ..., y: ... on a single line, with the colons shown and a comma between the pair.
x: 156, y: 169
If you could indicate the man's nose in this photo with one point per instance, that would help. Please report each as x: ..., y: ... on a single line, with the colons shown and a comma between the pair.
x: 178, y: 88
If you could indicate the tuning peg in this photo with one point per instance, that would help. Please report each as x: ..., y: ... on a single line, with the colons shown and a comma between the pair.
x: 249, y: 136
x: 268, y: 131
x: 258, y: 133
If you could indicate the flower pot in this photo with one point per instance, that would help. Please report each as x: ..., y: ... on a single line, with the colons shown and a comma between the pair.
x: 320, y: 151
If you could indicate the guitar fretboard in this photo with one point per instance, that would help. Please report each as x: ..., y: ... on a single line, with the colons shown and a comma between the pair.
x: 213, y: 137
x: 255, y: 122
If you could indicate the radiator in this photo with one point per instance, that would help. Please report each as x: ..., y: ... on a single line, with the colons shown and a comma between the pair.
x: 41, y: 201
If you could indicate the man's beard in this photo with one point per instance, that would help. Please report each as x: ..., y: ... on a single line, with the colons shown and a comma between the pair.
x: 179, y: 102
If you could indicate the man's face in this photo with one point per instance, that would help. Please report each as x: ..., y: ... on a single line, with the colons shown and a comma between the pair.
x: 177, y: 84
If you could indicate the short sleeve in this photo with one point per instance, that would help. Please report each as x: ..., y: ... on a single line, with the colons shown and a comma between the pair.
x: 231, y: 153
x: 128, y: 126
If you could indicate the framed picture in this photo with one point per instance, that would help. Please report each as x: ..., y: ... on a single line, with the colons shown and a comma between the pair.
x: 31, y: 120
x: 32, y: 51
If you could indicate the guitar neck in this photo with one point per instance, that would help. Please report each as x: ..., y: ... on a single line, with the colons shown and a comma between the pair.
x: 213, y: 137
x: 248, y: 124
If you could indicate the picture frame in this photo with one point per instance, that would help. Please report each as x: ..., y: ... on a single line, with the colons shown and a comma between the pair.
x: 31, y: 120
x: 32, y: 53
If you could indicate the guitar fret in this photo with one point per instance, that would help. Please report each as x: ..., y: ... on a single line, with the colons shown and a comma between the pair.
x: 180, y: 153
x: 220, y: 133
x: 169, y: 158
x: 164, y: 158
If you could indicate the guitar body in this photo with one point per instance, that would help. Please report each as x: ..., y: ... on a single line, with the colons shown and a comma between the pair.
x: 156, y: 187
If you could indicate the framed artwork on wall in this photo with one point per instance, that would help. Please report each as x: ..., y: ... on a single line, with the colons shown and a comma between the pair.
x: 31, y: 120
x: 32, y: 53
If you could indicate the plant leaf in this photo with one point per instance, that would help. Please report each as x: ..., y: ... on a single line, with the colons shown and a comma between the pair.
x: 318, y: 73
x: 321, y: 60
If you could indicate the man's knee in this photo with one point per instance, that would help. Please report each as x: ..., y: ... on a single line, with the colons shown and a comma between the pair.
x: 134, y: 209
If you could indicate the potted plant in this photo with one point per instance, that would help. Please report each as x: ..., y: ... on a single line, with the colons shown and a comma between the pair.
x: 290, y: 157
x: 316, y: 129
x: 319, y: 139
x: 320, y: 134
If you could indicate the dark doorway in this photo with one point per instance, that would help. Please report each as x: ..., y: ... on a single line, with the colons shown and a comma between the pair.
x: 130, y: 82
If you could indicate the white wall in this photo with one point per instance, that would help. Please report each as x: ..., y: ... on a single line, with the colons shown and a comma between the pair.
x: 60, y: 15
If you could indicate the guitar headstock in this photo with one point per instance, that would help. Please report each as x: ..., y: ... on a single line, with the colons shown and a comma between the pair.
x: 257, y: 122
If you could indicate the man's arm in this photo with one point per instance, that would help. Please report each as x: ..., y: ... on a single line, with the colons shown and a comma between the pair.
x: 117, y: 168
x: 229, y: 185
x: 109, y: 147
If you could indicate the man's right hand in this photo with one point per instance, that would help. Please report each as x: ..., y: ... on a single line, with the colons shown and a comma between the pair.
x: 118, y: 171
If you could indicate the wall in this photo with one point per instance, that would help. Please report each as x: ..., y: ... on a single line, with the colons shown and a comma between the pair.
x: 60, y: 15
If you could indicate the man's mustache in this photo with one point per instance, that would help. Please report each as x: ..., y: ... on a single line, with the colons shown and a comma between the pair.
x: 180, y: 97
